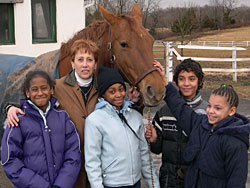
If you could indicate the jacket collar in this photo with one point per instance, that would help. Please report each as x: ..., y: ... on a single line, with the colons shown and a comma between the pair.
x: 226, y: 124
x: 38, y: 109
x: 102, y: 102
x: 234, y: 124
x: 27, y: 105
x: 237, y: 126
x: 71, y: 79
x: 194, y: 101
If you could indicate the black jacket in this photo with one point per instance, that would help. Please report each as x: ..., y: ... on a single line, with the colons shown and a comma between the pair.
x: 219, y: 156
x: 171, y: 142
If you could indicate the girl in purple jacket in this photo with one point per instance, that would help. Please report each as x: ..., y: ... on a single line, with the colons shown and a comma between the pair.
x: 44, y: 150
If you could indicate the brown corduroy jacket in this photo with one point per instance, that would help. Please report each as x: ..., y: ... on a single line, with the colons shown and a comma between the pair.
x: 70, y: 98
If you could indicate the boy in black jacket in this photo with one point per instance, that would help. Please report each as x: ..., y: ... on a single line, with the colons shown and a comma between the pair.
x: 171, y: 139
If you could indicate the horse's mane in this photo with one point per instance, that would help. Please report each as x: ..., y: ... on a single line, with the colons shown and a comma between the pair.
x: 93, y: 31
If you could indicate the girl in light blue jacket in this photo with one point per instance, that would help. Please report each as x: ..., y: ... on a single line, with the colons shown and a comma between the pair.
x: 116, y: 152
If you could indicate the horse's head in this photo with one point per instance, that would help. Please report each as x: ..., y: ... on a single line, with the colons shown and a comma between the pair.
x: 130, y: 47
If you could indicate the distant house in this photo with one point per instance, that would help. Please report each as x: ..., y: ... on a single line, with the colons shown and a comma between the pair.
x: 33, y: 27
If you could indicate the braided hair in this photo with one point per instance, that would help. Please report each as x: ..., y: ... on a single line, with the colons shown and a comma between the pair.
x: 228, y: 92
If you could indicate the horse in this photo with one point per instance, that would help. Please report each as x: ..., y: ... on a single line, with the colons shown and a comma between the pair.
x: 124, y: 43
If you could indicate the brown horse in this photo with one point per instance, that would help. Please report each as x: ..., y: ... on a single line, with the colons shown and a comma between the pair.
x: 124, y: 43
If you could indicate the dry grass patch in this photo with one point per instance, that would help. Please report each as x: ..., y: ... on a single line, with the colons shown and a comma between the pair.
x: 242, y: 86
x: 235, y: 34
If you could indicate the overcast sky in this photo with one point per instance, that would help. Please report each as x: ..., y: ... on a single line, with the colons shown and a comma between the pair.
x: 174, y: 3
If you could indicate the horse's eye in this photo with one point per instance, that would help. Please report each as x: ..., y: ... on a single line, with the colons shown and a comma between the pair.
x: 124, y: 44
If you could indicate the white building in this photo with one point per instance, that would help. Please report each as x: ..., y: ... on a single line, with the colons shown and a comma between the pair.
x: 33, y: 27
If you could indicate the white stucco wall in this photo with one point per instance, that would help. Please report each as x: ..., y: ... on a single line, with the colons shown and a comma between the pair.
x: 70, y: 18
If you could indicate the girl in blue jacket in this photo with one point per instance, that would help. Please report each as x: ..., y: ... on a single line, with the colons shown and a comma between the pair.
x: 43, y: 151
x: 116, y: 152
x: 218, y: 141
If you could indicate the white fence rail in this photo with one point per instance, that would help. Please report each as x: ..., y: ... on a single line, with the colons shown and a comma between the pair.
x: 219, y: 43
x: 170, y: 51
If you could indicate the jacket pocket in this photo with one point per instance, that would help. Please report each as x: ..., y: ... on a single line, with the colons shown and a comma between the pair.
x: 106, y: 167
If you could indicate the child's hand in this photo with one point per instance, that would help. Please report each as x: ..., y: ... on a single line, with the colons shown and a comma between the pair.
x: 12, y: 116
x: 161, y: 70
x: 150, y: 134
x: 134, y: 94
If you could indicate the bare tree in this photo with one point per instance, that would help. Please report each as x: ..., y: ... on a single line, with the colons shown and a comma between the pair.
x: 228, y: 8
x: 185, y: 22
x: 124, y: 6
x: 149, y: 7
x: 216, y: 15
x: 216, y: 12
x: 243, y: 15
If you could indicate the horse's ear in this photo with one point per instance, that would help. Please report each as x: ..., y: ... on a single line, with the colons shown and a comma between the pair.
x: 108, y: 16
x: 136, y: 13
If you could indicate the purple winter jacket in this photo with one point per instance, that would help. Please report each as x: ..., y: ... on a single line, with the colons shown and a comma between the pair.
x: 41, y: 153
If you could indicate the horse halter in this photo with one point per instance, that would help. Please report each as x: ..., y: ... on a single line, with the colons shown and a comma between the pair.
x: 115, y: 63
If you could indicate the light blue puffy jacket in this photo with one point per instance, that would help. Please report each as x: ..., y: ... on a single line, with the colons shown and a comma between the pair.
x: 114, y: 156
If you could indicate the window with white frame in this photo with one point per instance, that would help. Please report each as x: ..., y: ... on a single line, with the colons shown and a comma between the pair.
x: 43, y: 21
x: 7, y: 23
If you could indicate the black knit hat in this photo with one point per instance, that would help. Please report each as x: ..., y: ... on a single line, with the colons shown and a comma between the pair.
x: 107, y: 77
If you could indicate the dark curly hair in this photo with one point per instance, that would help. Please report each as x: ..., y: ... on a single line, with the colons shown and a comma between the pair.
x: 33, y: 74
x: 190, y: 65
x: 228, y: 92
